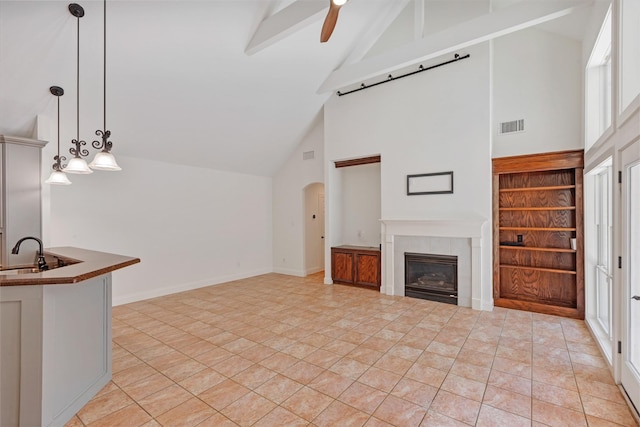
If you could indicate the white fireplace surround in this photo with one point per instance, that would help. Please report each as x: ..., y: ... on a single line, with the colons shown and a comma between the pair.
x: 471, y: 229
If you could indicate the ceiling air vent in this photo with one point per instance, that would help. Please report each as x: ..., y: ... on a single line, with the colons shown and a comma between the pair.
x: 513, y: 126
x: 308, y: 155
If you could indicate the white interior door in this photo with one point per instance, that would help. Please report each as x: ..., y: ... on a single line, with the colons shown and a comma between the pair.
x: 321, y: 223
x: 631, y: 272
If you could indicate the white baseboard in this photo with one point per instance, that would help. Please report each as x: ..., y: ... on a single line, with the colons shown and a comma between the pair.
x: 314, y: 270
x: 464, y: 301
x: 289, y: 272
x: 477, y: 304
x: 488, y: 305
x: 168, y: 290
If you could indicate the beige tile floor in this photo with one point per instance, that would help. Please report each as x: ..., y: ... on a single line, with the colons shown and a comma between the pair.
x: 276, y: 350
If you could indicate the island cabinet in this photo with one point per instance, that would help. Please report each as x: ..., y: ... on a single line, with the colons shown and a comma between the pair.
x: 538, y: 233
x: 55, y: 337
x: 356, y: 265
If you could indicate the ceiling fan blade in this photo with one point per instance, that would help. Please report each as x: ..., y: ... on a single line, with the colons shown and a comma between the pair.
x: 329, y: 22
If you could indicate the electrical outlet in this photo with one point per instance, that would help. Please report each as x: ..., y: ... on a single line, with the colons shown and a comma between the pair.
x: 519, y: 238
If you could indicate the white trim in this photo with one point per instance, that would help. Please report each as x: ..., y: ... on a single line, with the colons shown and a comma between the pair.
x: 630, y: 111
x: 313, y: 270
x: 470, y: 228
x: 290, y: 271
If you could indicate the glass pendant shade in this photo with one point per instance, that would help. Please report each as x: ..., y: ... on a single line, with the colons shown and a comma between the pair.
x: 104, y: 161
x: 58, y: 178
x: 78, y: 165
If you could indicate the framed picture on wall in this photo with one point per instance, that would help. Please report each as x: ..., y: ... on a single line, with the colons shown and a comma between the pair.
x: 430, y: 183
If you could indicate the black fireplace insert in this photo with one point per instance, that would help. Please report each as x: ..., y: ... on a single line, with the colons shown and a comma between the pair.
x: 432, y: 277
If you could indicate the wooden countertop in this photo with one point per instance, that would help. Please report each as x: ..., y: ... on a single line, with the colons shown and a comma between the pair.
x: 358, y: 248
x: 88, y: 264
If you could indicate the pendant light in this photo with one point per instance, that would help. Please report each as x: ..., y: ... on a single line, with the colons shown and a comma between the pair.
x: 104, y: 160
x: 58, y: 177
x: 77, y: 164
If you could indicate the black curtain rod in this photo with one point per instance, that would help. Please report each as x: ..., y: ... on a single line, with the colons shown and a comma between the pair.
x: 420, y: 69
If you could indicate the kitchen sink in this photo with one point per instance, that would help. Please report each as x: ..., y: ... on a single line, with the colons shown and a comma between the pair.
x: 20, y: 270
x: 26, y: 269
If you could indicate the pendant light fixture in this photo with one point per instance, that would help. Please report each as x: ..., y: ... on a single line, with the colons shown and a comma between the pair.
x: 58, y: 177
x: 77, y: 164
x: 104, y: 160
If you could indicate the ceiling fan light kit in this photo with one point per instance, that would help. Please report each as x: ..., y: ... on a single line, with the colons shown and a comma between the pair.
x: 390, y: 77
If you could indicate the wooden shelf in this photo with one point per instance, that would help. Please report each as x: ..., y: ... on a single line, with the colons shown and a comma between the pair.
x: 548, y: 270
x: 541, y: 208
x: 532, y: 248
x: 550, y: 188
x: 540, y: 228
x: 538, y: 201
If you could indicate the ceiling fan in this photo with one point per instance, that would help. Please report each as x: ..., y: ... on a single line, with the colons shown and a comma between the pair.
x: 331, y: 19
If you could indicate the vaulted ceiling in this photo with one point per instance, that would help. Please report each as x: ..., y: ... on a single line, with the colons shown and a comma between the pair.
x: 227, y: 84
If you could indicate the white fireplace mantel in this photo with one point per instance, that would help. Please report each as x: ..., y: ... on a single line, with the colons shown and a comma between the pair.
x: 470, y: 228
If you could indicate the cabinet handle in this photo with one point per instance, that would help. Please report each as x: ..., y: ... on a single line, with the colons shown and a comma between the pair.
x: 636, y: 297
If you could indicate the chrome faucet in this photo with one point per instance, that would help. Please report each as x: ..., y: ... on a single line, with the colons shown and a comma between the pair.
x: 42, y: 264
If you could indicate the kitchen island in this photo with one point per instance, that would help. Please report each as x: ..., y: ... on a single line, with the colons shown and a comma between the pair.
x: 55, y: 336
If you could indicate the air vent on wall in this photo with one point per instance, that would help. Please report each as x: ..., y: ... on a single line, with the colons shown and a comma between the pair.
x: 308, y: 155
x: 511, y: 127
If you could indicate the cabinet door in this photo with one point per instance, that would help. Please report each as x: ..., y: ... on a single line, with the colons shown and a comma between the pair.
x: 342, y: 267
x: 367, y: 270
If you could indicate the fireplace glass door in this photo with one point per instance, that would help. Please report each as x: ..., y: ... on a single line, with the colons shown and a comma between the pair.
x: 432, y: 277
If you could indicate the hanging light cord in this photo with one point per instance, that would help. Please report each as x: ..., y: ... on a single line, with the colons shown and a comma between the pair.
x: 78, y: 82
x: 104, y: 67
x: 58, y: 126
x: 105, y: 144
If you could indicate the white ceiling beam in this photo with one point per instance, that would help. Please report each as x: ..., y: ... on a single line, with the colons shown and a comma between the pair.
x: 285, y: 22
x: 375, y: 31
x: 521, y: 15
x: 418, y: 16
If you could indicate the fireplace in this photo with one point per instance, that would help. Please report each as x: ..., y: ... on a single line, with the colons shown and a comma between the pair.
x: 432, y: 277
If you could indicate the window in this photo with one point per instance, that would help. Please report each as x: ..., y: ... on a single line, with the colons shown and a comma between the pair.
x: 598, y: 86
x: 603, y: 223
x: 598, y: 253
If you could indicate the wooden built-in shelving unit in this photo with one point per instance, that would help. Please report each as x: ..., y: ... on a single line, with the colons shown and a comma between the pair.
x: 537, y: 210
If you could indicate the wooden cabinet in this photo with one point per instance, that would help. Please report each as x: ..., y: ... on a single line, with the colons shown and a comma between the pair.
x: 356, y: 265
x: 538, y: 233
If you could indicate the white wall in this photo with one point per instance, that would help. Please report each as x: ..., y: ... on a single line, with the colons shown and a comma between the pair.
x: 433, y: 122
x: 537, y: 77
x: 288, y: 201
x: 191, y: 227
x: 360, y: 205
x: 630, y: 52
